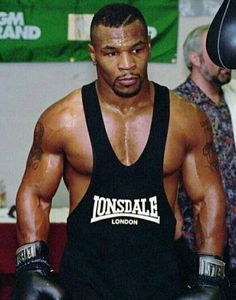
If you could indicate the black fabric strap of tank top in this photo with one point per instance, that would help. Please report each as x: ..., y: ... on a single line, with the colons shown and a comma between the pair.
x: 159, y: 126
x: 93, y: 116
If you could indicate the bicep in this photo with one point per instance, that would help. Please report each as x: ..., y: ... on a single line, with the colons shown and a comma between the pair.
x: 44, y: 164
x: 42, y: 178
x: 40, y: 181
x: 203, y: 184
x: 200, y: 170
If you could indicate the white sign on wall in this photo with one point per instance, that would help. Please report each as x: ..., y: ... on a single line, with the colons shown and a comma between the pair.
x: 193, y: 8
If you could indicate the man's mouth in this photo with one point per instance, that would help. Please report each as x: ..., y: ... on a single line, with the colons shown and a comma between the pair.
x: 128, y: 80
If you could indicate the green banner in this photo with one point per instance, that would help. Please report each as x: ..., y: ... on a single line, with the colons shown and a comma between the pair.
x: 58, y: 30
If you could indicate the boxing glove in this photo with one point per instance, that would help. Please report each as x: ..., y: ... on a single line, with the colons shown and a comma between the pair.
x: 34, y: 279
x: 208, y: 281
x: 232, y: 288
x: 221, y: 37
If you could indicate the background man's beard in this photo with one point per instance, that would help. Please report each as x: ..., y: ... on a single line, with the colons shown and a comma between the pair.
x: 220, y: 81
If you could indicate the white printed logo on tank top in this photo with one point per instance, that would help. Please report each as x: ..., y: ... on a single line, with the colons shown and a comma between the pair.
x: 113, y: 208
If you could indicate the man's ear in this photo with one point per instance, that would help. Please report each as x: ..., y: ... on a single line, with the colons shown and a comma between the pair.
x: 194, y: 58
x: 92, y: 53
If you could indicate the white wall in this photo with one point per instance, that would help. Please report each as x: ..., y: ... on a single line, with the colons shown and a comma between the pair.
x: 26, y: 89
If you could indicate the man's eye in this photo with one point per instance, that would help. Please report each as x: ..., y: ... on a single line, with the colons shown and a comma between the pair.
x: 135, y: 51
x: 111, y: 54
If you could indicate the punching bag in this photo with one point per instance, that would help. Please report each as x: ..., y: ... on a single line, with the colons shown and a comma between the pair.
x: 221, y: 37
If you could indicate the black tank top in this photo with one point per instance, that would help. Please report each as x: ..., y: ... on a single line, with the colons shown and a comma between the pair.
x: 120, y: 236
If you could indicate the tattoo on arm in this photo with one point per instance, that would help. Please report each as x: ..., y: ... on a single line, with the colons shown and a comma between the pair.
x: 36, y: 152
x: 209, y: 148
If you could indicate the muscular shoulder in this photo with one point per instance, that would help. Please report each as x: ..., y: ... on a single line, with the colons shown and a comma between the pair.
x: 187, y: 118
x: 70, y: 104
x: 59, y: 119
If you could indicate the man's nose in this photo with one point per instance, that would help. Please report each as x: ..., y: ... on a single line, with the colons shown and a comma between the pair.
x: 126, y: 61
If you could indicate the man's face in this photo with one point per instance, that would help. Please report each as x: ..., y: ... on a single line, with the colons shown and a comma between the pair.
x: 209, y: 70
x: 121, y: 56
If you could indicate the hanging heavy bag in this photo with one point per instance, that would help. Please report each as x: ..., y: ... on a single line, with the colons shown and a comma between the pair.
x: 221, y: 38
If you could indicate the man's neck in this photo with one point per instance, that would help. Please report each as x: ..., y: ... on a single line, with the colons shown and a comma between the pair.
x: 209, y: 88
x: 129, y: 104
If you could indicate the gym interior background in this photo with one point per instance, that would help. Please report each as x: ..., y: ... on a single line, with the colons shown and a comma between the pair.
x: 26, y: 89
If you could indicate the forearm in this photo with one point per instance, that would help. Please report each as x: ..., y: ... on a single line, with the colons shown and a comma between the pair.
x: 210, y: 229
x: 207, y: 278
x: 32, y: 219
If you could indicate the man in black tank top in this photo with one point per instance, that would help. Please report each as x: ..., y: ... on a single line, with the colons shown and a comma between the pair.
x: 120, y: 143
